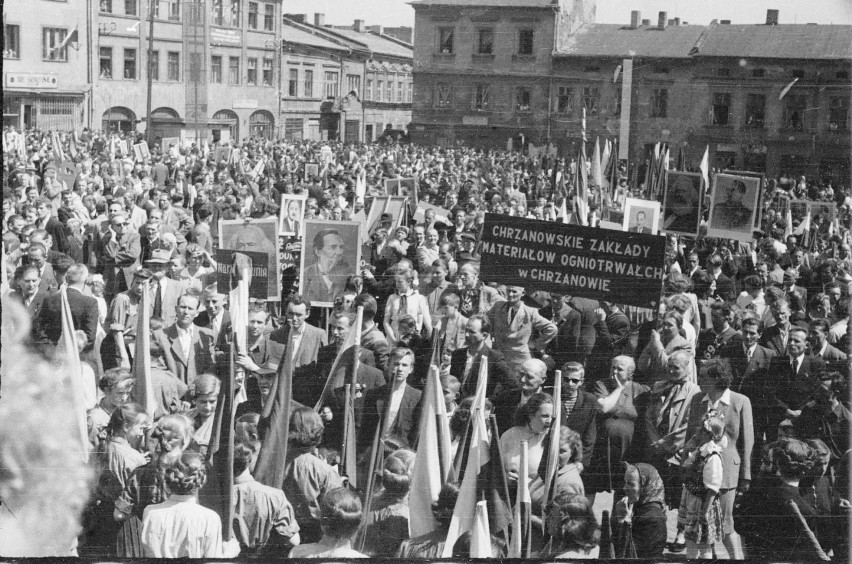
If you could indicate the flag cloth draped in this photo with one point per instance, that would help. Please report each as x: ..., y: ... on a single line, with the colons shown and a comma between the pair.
x: 143, y: 388
x: 480, y: 538
x: 520, y: 545
x: 582, y: 185
x: 705, y: 167
x: 432, y: 461
x: 72, y: 370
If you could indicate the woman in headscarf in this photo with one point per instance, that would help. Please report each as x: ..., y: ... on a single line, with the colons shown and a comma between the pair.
x: 639, y: 517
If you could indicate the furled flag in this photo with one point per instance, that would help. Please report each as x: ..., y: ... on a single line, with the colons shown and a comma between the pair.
x: 550, y: 456
x: 72, y: 37
x: 705, y: 167
x: 788, y: 229
x: 787, y: 88
x: 72, y: 370
x: 143, y: 388
x: 597, y: 171
x: 519, y: 546
x: 582, y: 184
x: 274, y: 425
x: 433, y: 458
x: 480, y: 536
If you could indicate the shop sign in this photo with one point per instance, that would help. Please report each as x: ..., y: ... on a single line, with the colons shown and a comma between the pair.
x: 225, y: 36
x: 37, y: 80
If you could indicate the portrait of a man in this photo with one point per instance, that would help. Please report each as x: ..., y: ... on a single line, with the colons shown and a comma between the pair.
x: 292, y: 214
x: 641, y: 216
x: 682, y: 203
x: 330, y: 255
x: 257, y: 235
x: 640, y: 223
x: 733, y: 206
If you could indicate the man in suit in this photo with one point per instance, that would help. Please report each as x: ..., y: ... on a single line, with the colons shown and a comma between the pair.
x: 302, y: 342
x: 533, y: 374
x: 711, y: 341
x: 612, y: 336
x: 28, y: 293
x: 724, y: 285
x: 47, y: 220
x: 215, y: 317
x: 565, y: 347
x: 372, y: 339
x: 512, y: 325
x: 735, y: 411
x: 368, y: 378
x: 37, y: 255
x: 639, y: 226
x: 586, y: 307
x: 189, y: 349
x: 292, y: 221
x: 47, y: 326
x: 465, y: 362
x: 164, y: 291
x: 795, y: 376
x: 818, y: 339
x: 475, y: 296
x: 117, y: 253
x: 776, y: 337
x: 152, y: 241
x: 396, y: 405
x: 665, y: 423
x: 792, y: 288
x: 579, y: 408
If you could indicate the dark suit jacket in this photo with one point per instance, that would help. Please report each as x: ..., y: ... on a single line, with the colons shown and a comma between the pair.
x: 750, y: 377
x: 369, y: 378
x: 376, y: 342
x: 201, y: 359
x: 725, y: 288
x: 583, y: 420
x: 307, y: 385
x: 203, y: 320
x: 498, y: 372
x: 84, y: 314
x: 48, y: 283
x: 834, y: 358
x: 588, y: 333
x: 36, y: 303
x: 792, y: 391
x: 57, y: 232
x: 708, y: 338
x: 407, y: 419
x: 505, y: 405
x: 566, y: 346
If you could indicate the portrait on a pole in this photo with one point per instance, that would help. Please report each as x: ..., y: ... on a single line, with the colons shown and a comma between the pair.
x: 682, y: 203
x: 733, y: 206
x: 292, y: 214
x: 258, y: 235
x: 641, y: 216
x: 331, y: 253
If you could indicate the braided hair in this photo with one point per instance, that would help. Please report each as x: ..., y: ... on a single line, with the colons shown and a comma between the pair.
x: 186, y: 475
x: 124, y: 415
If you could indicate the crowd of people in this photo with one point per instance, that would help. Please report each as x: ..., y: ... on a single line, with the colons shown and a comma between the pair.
x: 728, y: 407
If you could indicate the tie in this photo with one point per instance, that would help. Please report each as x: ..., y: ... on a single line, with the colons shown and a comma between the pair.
x: 512, y: 313
x: 216, y: 327
x: 403, y: 305
x: 663, y: 425
x: 158, y: 302
x: 748, y: 355
x: 795, y: 366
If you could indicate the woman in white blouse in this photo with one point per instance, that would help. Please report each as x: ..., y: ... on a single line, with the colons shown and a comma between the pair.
x: 532, y: 421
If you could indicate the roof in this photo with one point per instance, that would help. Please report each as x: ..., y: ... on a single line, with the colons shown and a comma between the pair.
x: 786, y: 41
x: 294, y: 34
x: 377, y: 43
x: 488, y: 3
x: 615, y: 40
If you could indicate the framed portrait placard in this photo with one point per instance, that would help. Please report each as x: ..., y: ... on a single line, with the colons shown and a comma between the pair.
x: 257, y: 235
x: 292, y: 214
x: 641, y: 216
x: 682, y: 203
x: 331, y: 254
x: 311, y: 171
x: 734, y: 206
x: 386, y: 211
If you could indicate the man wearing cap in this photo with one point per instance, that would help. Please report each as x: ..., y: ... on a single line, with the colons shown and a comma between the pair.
x: 117, y: 253
x: 117, y: 347
x: 164, y: 291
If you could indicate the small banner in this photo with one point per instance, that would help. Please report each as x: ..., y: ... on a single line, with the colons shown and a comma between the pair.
x: 226, y: 274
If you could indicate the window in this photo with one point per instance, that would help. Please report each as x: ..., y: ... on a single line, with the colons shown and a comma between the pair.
x: 130, y: 7
x: 105, y: 6
x: 369, y: 94
x: 52, y: 39
x: 293, y: 84
x: 379, y: 85
x: 11, y: 41
x: 755, y: 110
x: 842, y: 75
x: 720, y: 109
x: 233, y: 70
x: 758, y: 73
x: 269, y: 17
x: 522, y: 99
x: 105, y: 54
x: 617, y: 109
x: 293, y: 128
x: 592, y: 68
x: 331, y: 84
x: 267, y: 72
x: 155, y: 65
x: 591, y: 100
x: 252, y: 18
x: 723, y: 72
x: 661, y: 70
x: 174, y: 10
x: 130, y: 64
x: 353, y: 82
x: 309, y: 83
x: 445, y: 40
x: 251, y: 77
x: 218, y: 12
x: 482, y: 97
x: 564, y: 100
x: 485, y: 44
x: 216, y: 69
x: 794, y: 112
x: 174, y: 65
x: 408, y: 91
x: 389, y: 91
x: 838, y: 112
x: 399, y: 91
x: 525, y: 41
x: 236, y: 13
x: 659, y: 102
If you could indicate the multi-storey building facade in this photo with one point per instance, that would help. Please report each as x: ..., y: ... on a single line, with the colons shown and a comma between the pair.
x: 46, y: 71
x: 689, y: 86
x: 350, y: 83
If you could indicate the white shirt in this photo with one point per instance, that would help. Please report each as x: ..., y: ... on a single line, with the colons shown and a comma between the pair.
x: 725, y: 399
x: 180, y: 528
x: 295, y: 341
x: 750, y: 351
x: 798, y: 360
x: 393, y: 408
x: 216, y: 322
x: 185, y: 340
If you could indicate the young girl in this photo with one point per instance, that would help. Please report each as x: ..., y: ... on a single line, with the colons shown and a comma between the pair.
x: 116, y: 385
x: 146, y: 485
x: 700, y: 511
x: 206, y: 396
x: 120, y: 457
x: 180, y: 527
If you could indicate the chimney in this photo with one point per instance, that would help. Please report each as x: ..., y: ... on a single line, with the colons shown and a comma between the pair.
x: 677, y: 22
x: 359, y: 26
x: 377, y: 29
x: 725, y: 22
x: 771, y: 17
x: 635, y: 19
x: 319, y: 20
x: 661, y: 21
x: 646, y: 22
